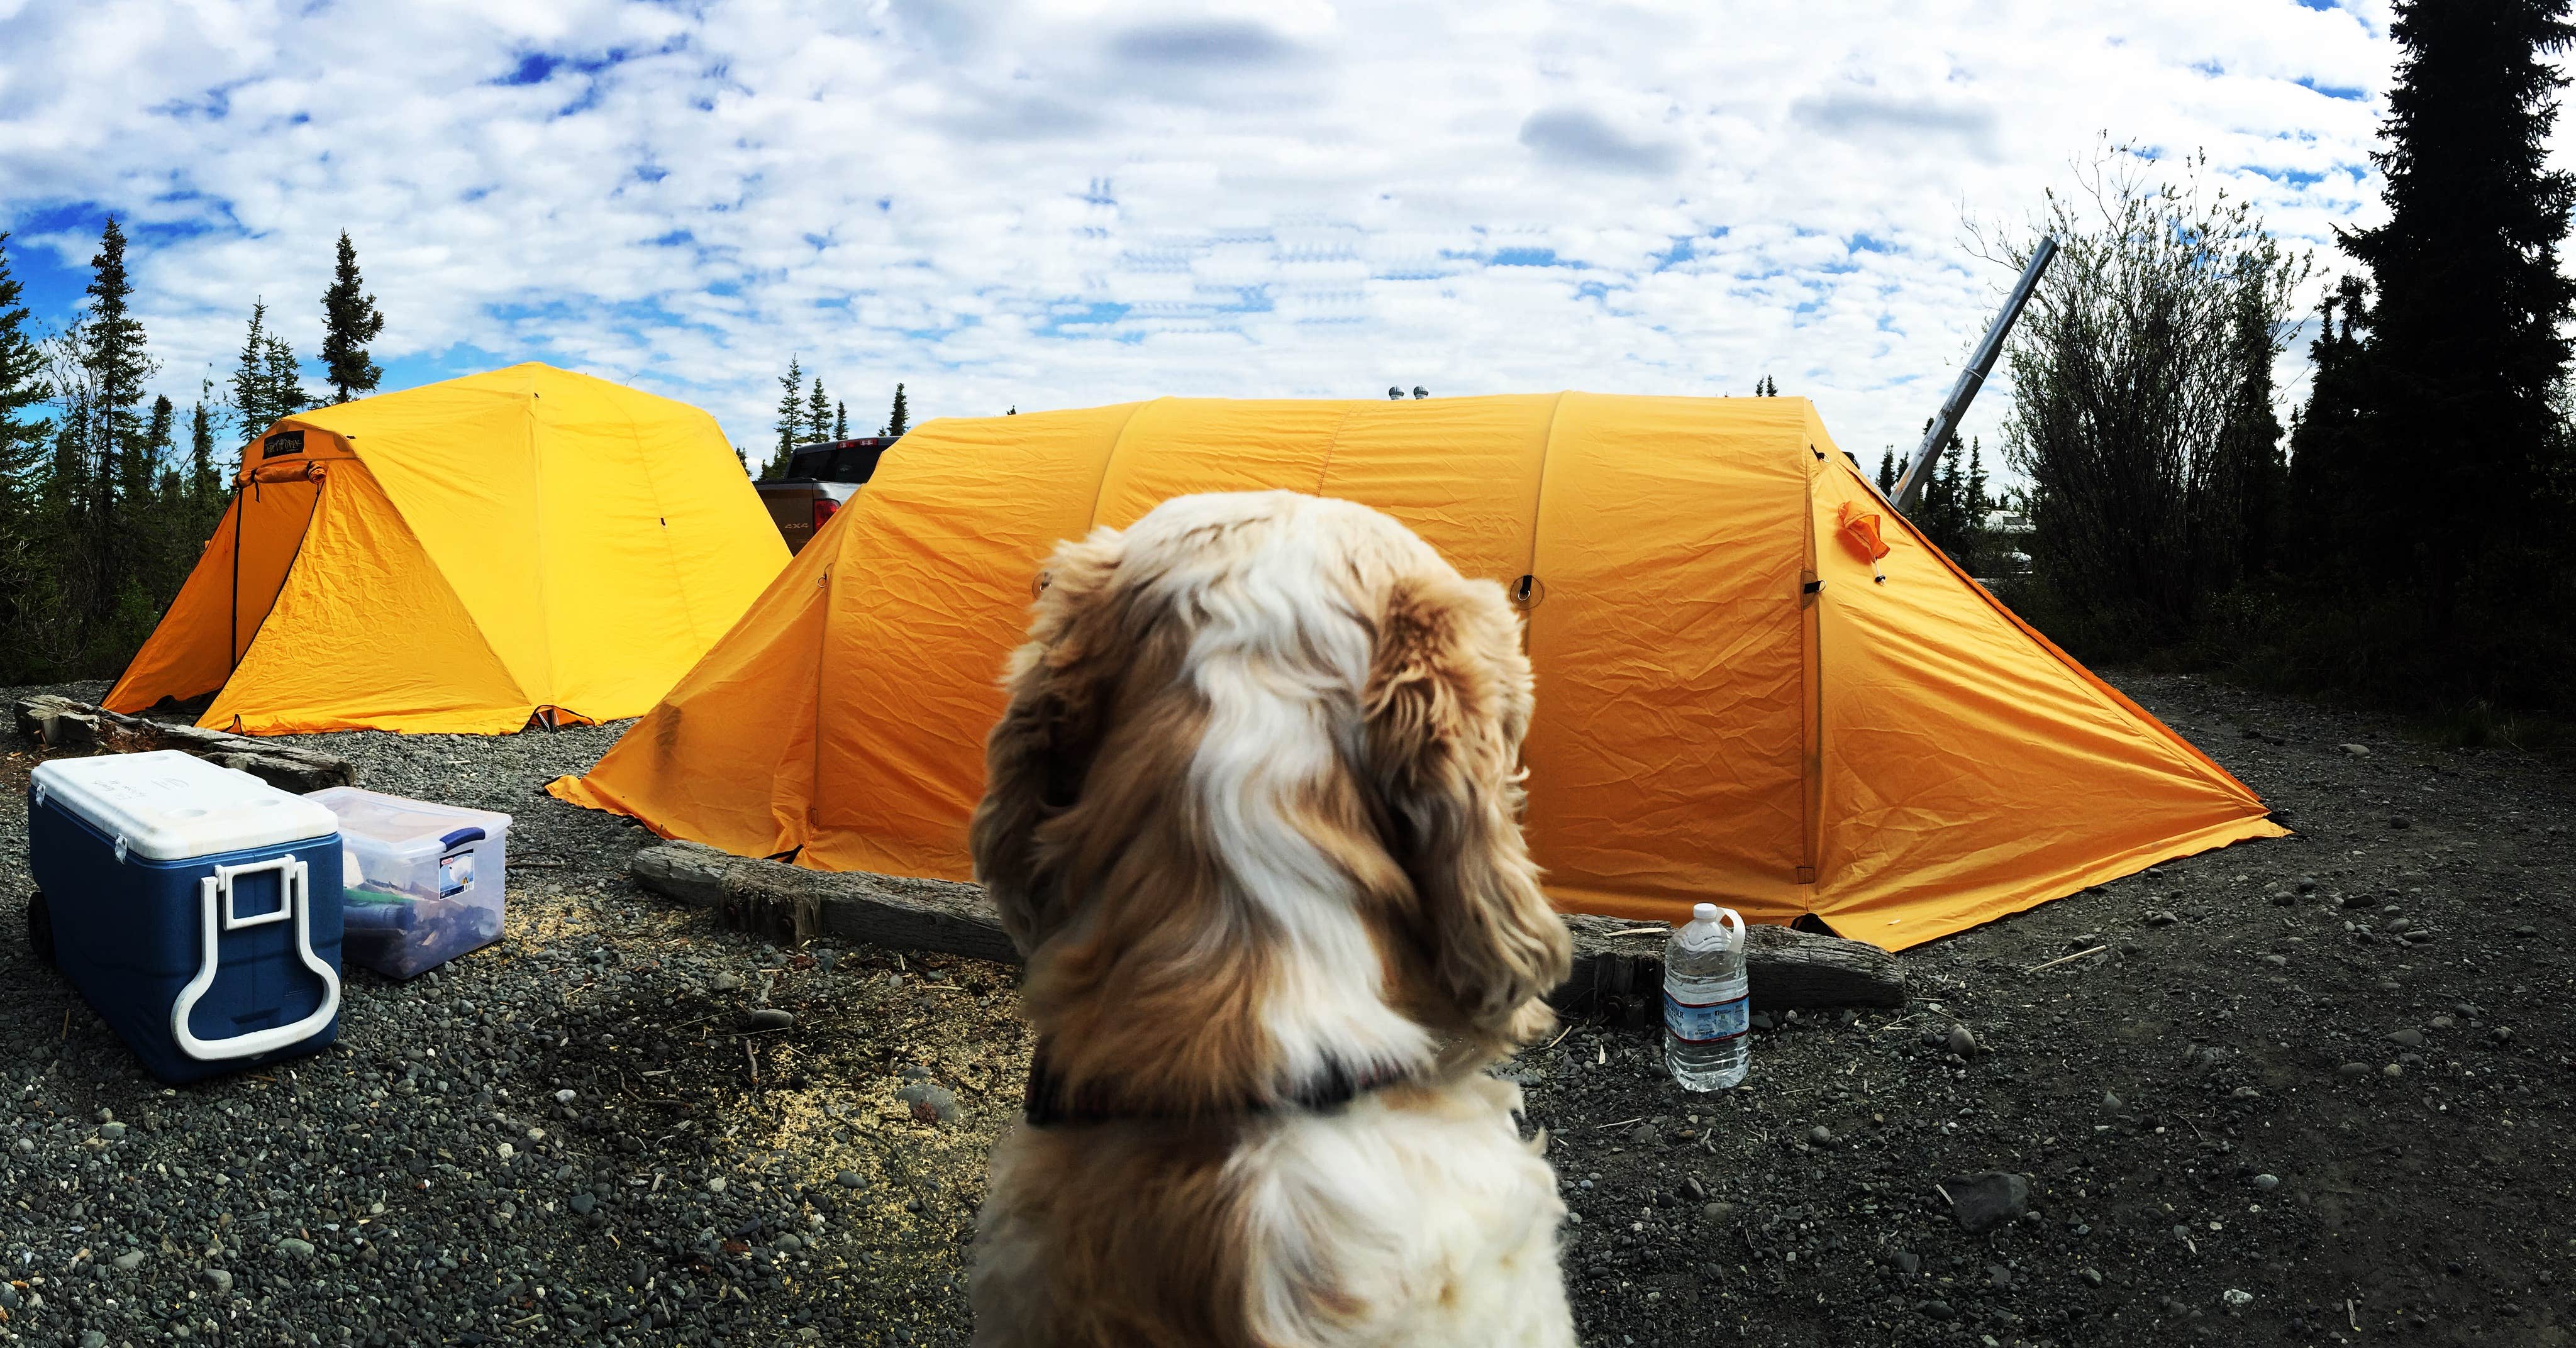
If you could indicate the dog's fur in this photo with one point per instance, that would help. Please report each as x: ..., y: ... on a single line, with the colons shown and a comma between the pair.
x: 1252, y: 816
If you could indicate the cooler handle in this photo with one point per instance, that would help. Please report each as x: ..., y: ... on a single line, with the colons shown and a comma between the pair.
x: 215, y: 899
x: 460, y: 836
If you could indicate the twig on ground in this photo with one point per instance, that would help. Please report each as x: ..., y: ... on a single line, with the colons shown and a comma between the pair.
x: 1639, y: 931
x: 1621, y: 1123
x: 1560, y: 1036
x: 2064, y: 958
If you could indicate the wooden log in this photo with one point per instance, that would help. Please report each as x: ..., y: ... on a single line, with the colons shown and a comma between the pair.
x: 1618, y: 966
x: 55, y: 721
x: 1623, y: 960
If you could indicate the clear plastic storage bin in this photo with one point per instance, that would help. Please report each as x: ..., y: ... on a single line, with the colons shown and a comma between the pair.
x: 420, y: 883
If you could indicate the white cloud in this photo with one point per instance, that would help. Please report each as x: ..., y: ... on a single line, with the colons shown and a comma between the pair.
x: 1069, y: 203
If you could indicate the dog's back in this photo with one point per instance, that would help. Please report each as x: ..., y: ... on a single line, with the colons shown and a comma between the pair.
x: 1252, y: 815
x: 1412, y: 1216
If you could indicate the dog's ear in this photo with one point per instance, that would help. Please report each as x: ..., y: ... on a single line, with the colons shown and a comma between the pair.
x: 1037, y: 755
x: 1447, y: 702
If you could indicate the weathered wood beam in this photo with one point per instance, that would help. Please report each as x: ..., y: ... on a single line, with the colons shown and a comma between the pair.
x: 1618, y: 966
x: 57, y: 722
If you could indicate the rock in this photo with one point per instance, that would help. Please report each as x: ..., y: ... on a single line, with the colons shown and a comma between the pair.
x: 2110, y: 1101
x: 1720, y: 1211
x: 2245, y: 1093
x: 2357, y: 901
x: 2162, y: 917
x: 1938, y: 1310
x: 2392, y: 1071
x: 1983, y: 1203
x: 2353, y: 1069
x: 849, y: 1179
x: 2000, y: 1276
x: 1961, y: 1041
x: 1906, y: 1261
x: 221, y: 1279
x: 2277, y: 961
x: 565, y: 1097
x: 294, y: 1248
x: 768, y: 1018
x: 113, y: 1132
x: 2410, y: 1037
x: 129, y: 1261
x: 2526, y: 930
x: 726, y: 982
x: 2400, y: 821
x: 1643, y: 1136
x: 582, y: 1204
x: 2356, y: 750
x: 2236, y: 1297
x: 1761, y: 1020
x: 2091, y: 1276
x: 1821, y: 1136
x: 11, y: 1298
x: 91, y: 1338
x: 716, y: 1185
x: 934, y: 1103
x: 2307, y: 884
x: 2267, y: 1183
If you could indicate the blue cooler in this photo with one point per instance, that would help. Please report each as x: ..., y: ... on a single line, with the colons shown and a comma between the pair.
x: 196, y: 908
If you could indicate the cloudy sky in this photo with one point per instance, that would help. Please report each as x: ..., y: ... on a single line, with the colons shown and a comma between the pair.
x: 1063, y: 204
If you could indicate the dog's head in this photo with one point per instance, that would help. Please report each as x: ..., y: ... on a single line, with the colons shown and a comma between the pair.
x: 1252, y: 811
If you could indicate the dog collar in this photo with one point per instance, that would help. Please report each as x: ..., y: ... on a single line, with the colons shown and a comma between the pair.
x: 1049, y: 1106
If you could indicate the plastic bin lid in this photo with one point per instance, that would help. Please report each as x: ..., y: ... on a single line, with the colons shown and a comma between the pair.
x: 400, y: 821
x: 170, y: 806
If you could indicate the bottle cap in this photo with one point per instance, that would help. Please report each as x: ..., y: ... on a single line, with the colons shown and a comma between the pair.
x: 1703, y: 912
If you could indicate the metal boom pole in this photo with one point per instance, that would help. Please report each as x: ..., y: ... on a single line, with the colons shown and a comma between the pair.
x: 1909, y: 488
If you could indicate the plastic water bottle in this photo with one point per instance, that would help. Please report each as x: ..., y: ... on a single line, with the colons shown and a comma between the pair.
x: 1706, y: 1001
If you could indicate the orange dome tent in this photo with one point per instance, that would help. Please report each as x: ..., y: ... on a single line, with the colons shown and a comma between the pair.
x: 464, y: 556
x: 1730, y: 705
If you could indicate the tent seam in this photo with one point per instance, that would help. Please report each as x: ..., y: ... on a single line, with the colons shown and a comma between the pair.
x: 1108, y: 461
x: 287, y: 578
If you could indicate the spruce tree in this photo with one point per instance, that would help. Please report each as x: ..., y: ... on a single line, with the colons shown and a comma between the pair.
x: 791, y: 417
x: 114, y: 364
x: 204, y: 481
x: 2249, y: 468
x: 2470, y: 309
x: 818, y: 413
x: 840, y: 421
x: 1887, y: 472
x: 901, y: 416
x: 349, y: 321
x: 282, y: 378
x: 22, y: 390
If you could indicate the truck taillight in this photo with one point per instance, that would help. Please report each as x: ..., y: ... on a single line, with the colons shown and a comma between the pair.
x: 824, y: 506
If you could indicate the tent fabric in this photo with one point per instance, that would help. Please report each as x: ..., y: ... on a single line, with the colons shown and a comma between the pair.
x: 462, y: 557
x: 1731, y: 705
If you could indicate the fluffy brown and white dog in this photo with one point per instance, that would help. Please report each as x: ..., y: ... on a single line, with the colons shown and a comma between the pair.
x: 1252, y: 816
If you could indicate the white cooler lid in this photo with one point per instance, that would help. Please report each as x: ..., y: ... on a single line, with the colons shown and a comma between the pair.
x: 170, y: 806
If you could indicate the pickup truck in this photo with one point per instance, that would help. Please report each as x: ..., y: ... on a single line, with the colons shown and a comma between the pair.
x: 821, y: 478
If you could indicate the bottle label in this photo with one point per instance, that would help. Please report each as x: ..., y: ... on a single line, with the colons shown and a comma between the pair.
x: 1710, y: 1023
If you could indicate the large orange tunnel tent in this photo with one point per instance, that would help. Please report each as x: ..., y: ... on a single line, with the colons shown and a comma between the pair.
x: 470, y: 555
x: 1731, y: 705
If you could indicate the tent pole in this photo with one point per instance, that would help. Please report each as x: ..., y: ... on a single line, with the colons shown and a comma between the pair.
x: 1909, y: 488
x: 232, y: 627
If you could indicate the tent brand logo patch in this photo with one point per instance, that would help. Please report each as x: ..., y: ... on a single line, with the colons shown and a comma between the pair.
x: 284, y: 442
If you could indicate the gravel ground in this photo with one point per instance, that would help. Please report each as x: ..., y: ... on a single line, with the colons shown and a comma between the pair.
x: 589, y: 1132
x: 2301, y: 1092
